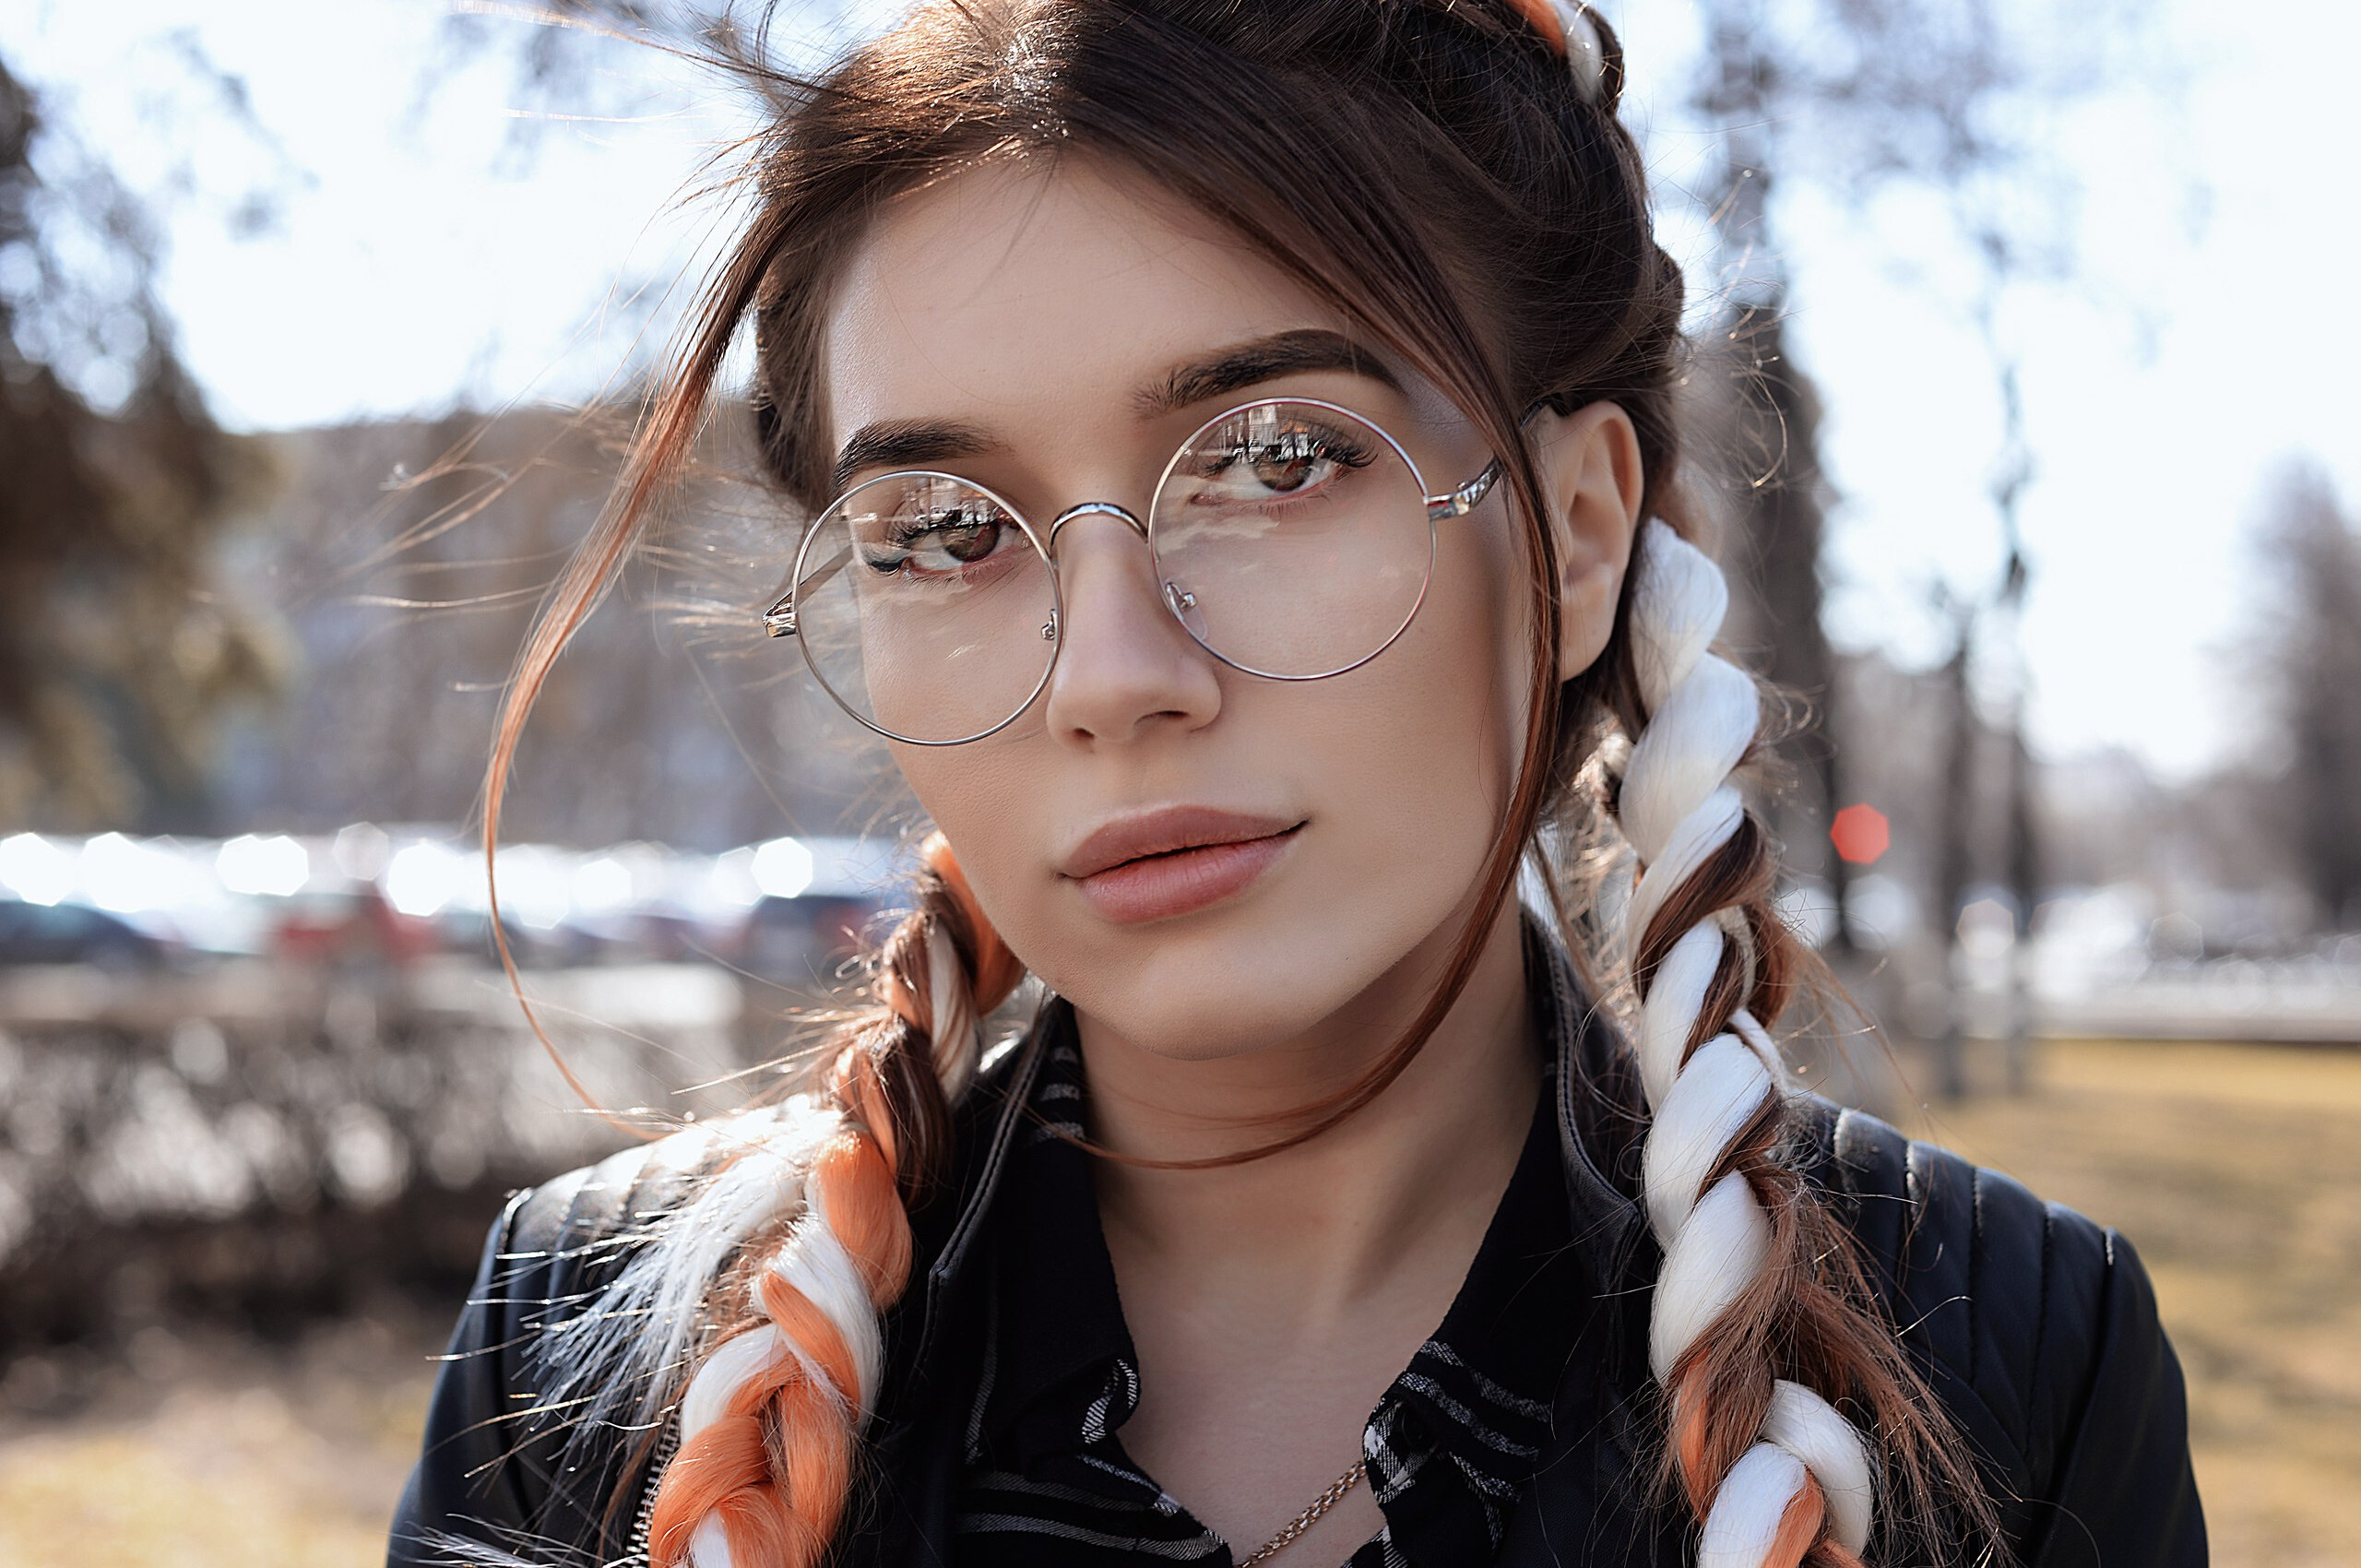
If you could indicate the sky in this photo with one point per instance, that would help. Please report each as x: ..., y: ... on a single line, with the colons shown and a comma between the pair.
x: 434, y: 241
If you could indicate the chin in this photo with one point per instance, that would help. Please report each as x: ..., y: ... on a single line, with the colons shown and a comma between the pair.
x: 1214, y: 994
x: 1224, y: 1027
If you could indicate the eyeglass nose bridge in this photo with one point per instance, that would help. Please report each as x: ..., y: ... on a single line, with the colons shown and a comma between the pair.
x: 1086, y: 508
x: 1050, y: 632
x: 1177, y: 600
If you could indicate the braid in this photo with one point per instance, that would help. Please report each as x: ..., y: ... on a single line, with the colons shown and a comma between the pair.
x: 769, y: 1420
x: 1775, y: 1474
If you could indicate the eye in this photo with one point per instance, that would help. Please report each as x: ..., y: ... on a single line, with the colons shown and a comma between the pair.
x: 940, y: 532
x: 967, y: 534
x: 1277, y: 452
x: 1288, y: 464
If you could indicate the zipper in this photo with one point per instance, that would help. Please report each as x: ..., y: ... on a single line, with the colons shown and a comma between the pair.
x: 636, y: 1553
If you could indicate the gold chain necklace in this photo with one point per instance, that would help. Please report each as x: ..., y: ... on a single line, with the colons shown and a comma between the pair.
x: 1309, y: 1517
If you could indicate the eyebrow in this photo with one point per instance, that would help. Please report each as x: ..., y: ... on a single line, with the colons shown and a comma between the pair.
x: 907, y: 444
x: 917, y: 444
x: 1250, y: 364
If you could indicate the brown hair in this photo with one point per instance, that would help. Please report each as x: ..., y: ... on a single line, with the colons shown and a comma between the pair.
x: 1474, y: 212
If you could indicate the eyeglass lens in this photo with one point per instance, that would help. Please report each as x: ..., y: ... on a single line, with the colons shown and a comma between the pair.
x: 1291, y: 538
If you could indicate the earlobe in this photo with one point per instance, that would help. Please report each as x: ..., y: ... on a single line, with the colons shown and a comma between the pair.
x: 1593, y: 483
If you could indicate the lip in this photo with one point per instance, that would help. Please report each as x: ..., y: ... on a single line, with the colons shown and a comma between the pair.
x: 1164, y: 863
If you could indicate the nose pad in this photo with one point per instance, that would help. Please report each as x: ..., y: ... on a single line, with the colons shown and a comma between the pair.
x: 1183, y: 605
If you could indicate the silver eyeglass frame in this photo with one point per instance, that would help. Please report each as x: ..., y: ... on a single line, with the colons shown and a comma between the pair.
x: 778, y: 621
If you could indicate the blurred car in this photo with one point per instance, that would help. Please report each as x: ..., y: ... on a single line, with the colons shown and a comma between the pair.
x: 76, y: 934
x: 347, y: 924
x: 801, y: 941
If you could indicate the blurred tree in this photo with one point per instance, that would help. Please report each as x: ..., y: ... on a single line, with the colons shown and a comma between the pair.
x: 405, y: 558
x: 1765, y: 415
x: 114, y: 652
x: 1861, y: 98
x: 2312, y: 659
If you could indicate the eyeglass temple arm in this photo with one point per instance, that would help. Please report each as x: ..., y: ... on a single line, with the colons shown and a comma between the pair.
x: 778, y: 621
x: 1467, y: 497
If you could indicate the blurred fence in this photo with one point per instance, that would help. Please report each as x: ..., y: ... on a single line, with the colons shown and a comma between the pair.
x: 2302, y: 1001
x: 263, y: 1141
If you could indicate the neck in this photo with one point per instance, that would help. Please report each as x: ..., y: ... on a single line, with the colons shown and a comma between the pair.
x: 1409, y: 1178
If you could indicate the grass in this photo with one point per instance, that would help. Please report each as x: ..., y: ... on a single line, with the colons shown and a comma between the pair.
x: 205, y: 1452
x: 2235, y: 1170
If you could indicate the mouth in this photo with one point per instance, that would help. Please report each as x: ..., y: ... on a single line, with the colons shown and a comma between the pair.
x: 1175, y: 861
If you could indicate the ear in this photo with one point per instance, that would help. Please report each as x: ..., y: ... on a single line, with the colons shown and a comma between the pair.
x: 1591, y: 484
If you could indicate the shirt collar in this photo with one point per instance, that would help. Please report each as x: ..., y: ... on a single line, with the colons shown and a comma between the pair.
x: 1478, y: 1402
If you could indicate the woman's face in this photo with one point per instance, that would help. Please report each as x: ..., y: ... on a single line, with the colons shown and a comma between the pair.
x: 1203, y: 861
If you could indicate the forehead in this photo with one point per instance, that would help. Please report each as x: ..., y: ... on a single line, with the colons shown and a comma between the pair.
x: 1029, y: 288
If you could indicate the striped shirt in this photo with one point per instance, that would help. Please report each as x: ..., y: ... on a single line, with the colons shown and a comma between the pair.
x: 1450, y: 1446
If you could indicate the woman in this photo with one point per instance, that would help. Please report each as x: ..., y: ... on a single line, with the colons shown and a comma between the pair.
x: 1233, y: 455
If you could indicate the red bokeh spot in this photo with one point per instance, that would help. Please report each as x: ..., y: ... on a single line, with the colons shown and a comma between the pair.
x: 1860, y: 834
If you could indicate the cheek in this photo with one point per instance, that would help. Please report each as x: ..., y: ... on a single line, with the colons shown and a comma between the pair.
x: 1460, y: 680
x: 987, y: 797
x: 1417, y: 759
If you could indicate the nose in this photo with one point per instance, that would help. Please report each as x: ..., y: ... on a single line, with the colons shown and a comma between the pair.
x: 1126, y: 668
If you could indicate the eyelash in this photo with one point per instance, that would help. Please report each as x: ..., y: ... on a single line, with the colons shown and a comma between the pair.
x: 905, y: 532
x: 1238, y: 443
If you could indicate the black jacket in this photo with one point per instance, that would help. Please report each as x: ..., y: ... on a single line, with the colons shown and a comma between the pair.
x: 2036, y: 1328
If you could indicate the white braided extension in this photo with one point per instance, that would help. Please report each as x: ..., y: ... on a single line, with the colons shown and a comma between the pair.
x: 957, y: 1033
x: 1585, y: 56
x: 616, y: 1363
x: 1677, y: 808
x: 810, y: 1257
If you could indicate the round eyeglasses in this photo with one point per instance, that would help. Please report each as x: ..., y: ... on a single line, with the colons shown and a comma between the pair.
x: 1292, y: 539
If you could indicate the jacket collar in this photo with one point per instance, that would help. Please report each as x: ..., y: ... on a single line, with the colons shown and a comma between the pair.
x: 1601, y: 1114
